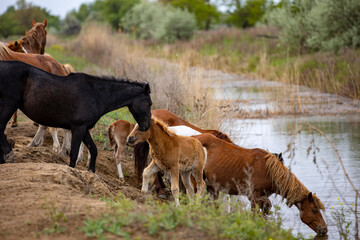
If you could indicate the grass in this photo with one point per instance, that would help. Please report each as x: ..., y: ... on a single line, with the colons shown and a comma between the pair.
x: 56, y: 218
x: 202, y: 217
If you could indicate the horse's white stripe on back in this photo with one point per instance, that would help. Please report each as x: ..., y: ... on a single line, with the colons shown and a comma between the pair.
x: 184, y: 131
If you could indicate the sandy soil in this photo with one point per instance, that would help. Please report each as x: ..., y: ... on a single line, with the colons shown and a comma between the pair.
x: 40, y: 180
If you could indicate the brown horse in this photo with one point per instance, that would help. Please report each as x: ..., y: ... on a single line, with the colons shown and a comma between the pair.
x: 172, y: 120
x: 171, y: 153
x: 34, y: 40
x: 258, y: 174
x: 45, y: 63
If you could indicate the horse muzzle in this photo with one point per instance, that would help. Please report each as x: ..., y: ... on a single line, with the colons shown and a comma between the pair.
x: 130, y: 141
x: 322, y: 231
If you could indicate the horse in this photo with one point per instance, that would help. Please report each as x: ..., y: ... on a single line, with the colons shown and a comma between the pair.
x: 258, y: 174
x: 75, y: 102
x: 172, y: 120
x: 46, y: 63
x: 34, y: 40
x: 173, y: 154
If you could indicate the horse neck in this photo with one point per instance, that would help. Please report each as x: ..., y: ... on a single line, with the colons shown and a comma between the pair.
x: 158, y: 138
x: 113, y: 94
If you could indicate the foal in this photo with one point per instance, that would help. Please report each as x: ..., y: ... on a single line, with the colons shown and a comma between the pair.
x: 171, y: 153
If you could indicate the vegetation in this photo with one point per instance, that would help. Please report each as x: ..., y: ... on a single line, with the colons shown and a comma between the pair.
x: 154, y: 21
x: 205, y: 217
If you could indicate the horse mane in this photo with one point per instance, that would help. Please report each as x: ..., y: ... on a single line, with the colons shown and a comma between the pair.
x: 287, y: 184
x: 5, y: 51
x: 33, y: 38
x: 117, y: 80
x: 221, y: 136
x: 164, y: 127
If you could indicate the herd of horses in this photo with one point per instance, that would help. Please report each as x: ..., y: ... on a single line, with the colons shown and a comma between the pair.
x: 53, y: 95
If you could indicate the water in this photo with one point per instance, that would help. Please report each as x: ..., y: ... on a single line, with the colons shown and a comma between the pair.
x: 325, y: 178
x: 337, y: 117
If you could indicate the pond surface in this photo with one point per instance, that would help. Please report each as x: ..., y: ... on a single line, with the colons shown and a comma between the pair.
x: 296, y: 107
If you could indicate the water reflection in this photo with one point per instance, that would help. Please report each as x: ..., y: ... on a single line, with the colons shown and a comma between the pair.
x: 324, y: 175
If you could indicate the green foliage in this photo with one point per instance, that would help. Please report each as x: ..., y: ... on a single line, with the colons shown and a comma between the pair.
x: 162, y: 23
x: 114, y: 10
x: 17, y: 20
x: 56, y: 218
x: 199, y: 215
x: 205, y: 13
x: 328, y: 25
x: 247, y: 13
x: 71, y: 25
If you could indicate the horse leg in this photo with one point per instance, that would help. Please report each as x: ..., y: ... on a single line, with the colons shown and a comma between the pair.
x: 119, y: 150
x: 174, y: 174
x: 92, y: 148
x: 14, y: 121
x: 185, y: 176
x: 39, y: 137
x: 149, y: 171
x: 54, y: 135
x: 7, y: 154
x: 66, y: 146
x: 81, y: 153
x: 77, y: 136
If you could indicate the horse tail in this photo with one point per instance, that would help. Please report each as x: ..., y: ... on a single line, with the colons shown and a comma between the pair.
x: 141, y: 151
x: 111, y: 135
x: 68, y: 69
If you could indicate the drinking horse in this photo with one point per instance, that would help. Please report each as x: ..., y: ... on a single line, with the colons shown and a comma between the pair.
x: 173, y: 154
x: 75, y: 102
x: 258, y: 174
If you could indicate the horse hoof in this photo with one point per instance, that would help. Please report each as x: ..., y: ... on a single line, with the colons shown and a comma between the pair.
x: 9, y: 158
x: 91, y: 170
x: 162, y: 196
x: 14, y: 125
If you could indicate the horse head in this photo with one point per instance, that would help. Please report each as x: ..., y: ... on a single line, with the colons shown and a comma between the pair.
x: 310, y: 213
x: 15, y: 46
x: 35, y: 39
x: 140, y: 108
x: 136, y: 136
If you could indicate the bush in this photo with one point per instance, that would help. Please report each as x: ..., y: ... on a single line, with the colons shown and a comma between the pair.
x: 72, y: 25
x: 162, y: 23
x: 318, y: 25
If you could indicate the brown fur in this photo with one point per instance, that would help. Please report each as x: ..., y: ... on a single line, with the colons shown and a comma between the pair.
x: 171, y: 153
x: 172, y: 120
x: 258, y: 174
x: 34, y: 40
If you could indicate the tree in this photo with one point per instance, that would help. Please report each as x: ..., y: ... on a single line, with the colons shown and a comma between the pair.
x: 114, y: 10
x: 247, y: 13
x: 205, y: 13
x: 8, y: 23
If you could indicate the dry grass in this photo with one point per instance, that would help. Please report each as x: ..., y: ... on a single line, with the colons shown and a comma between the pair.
x: 174, y: 85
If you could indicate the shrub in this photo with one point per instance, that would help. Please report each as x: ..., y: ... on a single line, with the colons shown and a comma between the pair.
x: 318, y: 25
x: 72, y: 25
x: 158, y: 22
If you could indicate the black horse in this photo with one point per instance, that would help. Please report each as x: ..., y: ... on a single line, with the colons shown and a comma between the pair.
x: 74, y: 102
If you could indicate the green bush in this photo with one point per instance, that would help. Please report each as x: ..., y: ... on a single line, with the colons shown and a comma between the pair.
x: 155, y: 21
x: 318, y: 25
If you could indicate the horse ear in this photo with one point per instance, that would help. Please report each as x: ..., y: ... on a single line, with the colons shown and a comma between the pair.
x: 45, y: 22
x: 310, y: 197
x: 147, y: 89
x: 280, y: 155
x: 16, y: 43
x: 33, y: 22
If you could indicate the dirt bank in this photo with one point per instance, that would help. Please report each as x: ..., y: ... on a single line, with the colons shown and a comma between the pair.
x: 40, y: 186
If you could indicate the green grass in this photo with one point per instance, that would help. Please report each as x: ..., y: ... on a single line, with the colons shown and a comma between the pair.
x: 57, y: 52
x: 163, y: 219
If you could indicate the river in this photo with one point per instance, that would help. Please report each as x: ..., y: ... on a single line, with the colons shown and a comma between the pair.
x: 269, y: 115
